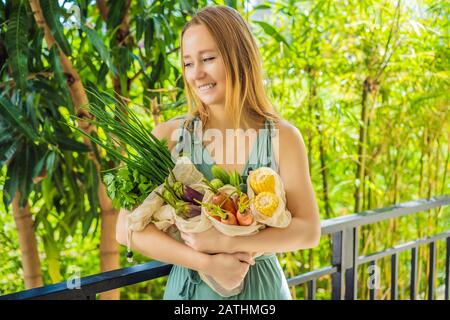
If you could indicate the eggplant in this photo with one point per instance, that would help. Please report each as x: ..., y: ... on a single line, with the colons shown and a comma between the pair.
x: 187, y: 210
x: 192, y: 210
x: 187, y: 193
x: 182, y: 208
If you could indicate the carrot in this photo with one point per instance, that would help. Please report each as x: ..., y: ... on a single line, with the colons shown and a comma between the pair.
x: 223, y: 200
x: 230, y: 219
x: 245, y: 218
x: 220, y: 214
x: 244, y: 215
x: 214, y: 216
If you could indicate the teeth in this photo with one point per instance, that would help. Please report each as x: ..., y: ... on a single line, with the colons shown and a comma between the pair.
x: 207, y: 86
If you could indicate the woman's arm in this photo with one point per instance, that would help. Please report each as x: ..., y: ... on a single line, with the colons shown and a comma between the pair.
x: 156, y: 244
x: 304, y: 230
x: 227, y: 269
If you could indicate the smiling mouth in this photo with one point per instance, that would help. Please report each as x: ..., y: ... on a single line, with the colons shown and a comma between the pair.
x: 207, y: 87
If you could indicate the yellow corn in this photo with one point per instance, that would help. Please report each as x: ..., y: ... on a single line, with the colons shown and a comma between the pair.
x: 260, y: 181
x: 266, y: 203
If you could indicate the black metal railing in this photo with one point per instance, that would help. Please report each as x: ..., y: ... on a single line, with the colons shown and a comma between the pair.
x: 344, y: 232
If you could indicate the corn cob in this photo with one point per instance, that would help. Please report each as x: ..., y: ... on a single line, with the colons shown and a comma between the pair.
x: 261, y: 181
x: 266, y: 203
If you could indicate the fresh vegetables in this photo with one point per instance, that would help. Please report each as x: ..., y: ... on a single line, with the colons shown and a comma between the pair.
x: 127, y: 188
x: 260, y: 181
x: 225, y: 216
x: 245, y: 218
x: 220, y: 174
x: 266, y: 203
x: 217, y: 183
x: 235, y: 179
x: 126, y: 140
x: 244, y: 215
x: 233, y: 208
x: 182, y: 198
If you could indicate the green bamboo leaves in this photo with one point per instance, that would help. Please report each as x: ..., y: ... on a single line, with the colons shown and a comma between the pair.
x: 271, y: 31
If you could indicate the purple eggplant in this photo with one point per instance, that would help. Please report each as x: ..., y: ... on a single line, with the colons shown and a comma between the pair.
x: 191, y: 210
x: 187, y: 193
x: 182, y: 208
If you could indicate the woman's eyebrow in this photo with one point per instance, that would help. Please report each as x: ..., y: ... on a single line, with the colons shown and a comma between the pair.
x: 201, y: 51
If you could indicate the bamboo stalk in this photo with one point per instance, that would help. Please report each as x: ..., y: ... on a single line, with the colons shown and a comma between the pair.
x: 31, y: 263
x: 155, y: 110
x: 360, y: 165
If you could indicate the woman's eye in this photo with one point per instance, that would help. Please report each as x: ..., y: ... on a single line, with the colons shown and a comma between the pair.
x: 207, y: 59
x: 187, y: 65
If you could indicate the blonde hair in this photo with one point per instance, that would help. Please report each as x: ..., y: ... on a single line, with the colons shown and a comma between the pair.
x: 245, y: 95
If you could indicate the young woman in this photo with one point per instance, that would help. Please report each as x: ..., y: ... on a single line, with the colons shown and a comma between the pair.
x: 224, y: 86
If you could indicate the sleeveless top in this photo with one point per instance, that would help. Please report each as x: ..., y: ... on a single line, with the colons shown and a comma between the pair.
x: 261, y: 153
x: 265, y: 280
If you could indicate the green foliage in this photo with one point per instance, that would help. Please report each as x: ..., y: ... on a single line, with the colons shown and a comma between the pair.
x: 324, y: 61
x: 51, y: 12
x: 16, y: 43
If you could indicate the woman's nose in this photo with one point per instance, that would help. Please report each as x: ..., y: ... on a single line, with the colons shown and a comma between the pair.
x: 198, y: 72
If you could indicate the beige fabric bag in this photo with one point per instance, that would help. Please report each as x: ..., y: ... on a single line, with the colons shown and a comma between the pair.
x: 150, y: 210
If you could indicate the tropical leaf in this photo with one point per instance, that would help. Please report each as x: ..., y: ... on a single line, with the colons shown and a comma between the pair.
x: 99, y: 46
x: 149, y: 35
x: 92, y: 192
x: 51, y: 12
x: 140, y: 27
x: 13, y: 174
x: 16, y: 43
x: 115, y: 12
x: 57, y: 68
x: 27, y: 162
x: 7, y: 151
x: 16, y: 119
x: 66, y: 143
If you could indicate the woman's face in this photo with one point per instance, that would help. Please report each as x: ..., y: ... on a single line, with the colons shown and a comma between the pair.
x: 203, y: 65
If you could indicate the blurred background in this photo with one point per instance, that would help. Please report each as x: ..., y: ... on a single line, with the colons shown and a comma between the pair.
x: 366, y: 83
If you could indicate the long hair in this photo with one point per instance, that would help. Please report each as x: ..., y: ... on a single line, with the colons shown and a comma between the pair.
x: 245, y: 96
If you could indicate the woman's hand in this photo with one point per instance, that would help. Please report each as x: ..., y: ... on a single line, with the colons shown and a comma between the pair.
x: 209, y: 241
x: 229, y: 270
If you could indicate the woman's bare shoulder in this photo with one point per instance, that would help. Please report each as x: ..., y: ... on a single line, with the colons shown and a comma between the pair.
x: 287, y: 131
x: 165, y: 130
x: 290, y: 144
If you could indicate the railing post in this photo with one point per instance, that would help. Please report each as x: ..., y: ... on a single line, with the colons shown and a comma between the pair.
x: 394, y: 276
x: 414, y: 266
x: 344, y: 258
x: 337, y: 278
x: 431, y: 281
x: 447, y: 271
x: 351, y: 274
x: 312, y: 287
x: 372, y: 289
